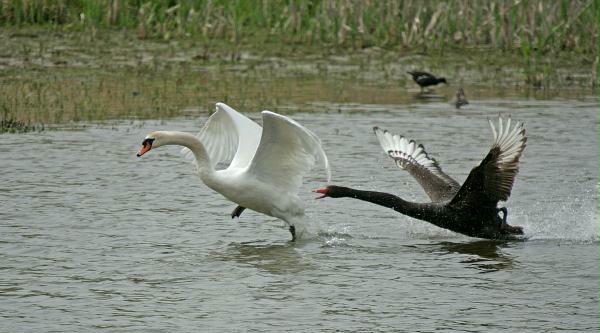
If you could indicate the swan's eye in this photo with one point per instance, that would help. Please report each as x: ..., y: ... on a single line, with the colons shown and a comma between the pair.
x: 146, y: 146
x: 147, y: 141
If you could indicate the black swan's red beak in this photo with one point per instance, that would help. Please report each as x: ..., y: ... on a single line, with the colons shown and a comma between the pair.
x: 323, y: 191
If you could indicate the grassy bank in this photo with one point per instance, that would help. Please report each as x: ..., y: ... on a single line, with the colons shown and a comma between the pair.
x: 528, y: 26
x: 64, y: 61
x: 50, y: 77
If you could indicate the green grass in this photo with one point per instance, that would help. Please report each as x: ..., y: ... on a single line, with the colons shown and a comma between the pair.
x: 540, y: 26
x: 56, y: 77
x: 79, y: 60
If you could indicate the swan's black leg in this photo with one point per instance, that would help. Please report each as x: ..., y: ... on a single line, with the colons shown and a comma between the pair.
x: 293, y: 231
x: 504, y: 215
x: 237, y: 211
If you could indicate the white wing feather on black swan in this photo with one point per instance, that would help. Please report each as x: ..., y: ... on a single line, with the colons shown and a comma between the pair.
x: 492, y: 180
x: 413, y: 158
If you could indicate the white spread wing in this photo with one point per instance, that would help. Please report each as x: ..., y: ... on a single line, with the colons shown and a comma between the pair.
x: 228, y: 136
x: 286, y: 152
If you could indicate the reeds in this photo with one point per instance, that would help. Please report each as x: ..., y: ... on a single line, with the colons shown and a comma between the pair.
x: 538, y: 26
x: 87, y: 66
x: 17, y: 126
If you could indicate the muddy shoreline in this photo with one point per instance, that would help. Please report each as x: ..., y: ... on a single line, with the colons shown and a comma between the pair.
x: 55, y: 77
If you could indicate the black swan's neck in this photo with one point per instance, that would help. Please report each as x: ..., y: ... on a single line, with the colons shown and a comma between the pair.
x: 423, y: 211
x: 472, y: 221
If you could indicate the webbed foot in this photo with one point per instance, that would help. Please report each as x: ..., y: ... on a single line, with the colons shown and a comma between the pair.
x: 504, y: 215
x: 293, y: 231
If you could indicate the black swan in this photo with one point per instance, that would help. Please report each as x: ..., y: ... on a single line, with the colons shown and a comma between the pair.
x: 424, y: 79
x: 470, y: 209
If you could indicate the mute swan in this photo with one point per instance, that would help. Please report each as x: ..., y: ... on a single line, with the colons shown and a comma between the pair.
x: 266, y: 164
x: 470, y: 209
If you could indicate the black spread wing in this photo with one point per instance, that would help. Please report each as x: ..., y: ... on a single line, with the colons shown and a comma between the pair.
x: 493, y: 179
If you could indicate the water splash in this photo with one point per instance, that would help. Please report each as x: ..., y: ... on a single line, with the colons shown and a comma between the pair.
x: 570, y: 218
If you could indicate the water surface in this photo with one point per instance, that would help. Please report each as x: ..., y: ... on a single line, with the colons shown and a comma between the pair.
x: 94, y: 239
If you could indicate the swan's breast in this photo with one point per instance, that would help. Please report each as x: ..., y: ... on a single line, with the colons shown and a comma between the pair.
x: 248, y: 191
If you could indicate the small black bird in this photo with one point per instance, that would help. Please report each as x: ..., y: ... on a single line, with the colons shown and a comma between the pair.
x: 461, y: 99
x: 424, y: 79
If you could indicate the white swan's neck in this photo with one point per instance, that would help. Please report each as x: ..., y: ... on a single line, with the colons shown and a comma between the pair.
x: 205, y: 168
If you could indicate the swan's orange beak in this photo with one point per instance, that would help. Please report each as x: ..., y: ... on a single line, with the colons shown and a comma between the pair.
x: 145, y: 147
x: 143, y: 150
x: 323, y: 191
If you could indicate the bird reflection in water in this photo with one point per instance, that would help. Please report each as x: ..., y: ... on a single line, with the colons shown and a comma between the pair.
x: 428, y: 96
x: 485, y: 255
x: 279, y: 258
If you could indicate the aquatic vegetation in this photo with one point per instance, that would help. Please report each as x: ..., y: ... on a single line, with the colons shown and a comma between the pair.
x: 66, y: 61
x: 538, y: 25
x: 52, y: 79
x: 17, y: 126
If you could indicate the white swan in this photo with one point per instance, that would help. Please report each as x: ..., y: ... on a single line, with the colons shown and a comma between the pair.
x: 266, y: 164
